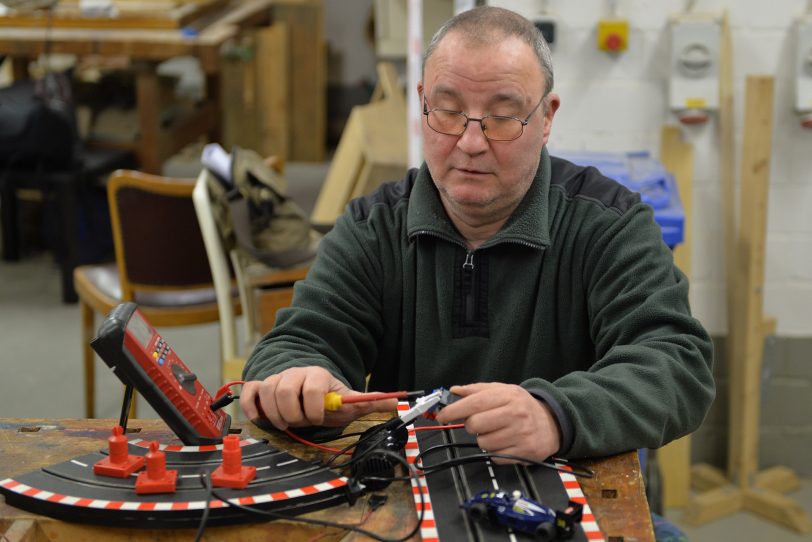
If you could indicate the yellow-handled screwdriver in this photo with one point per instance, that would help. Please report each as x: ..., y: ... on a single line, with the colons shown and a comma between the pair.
x: 333, y: 401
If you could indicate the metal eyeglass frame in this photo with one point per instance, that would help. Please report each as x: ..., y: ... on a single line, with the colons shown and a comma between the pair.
x: 480, y: 120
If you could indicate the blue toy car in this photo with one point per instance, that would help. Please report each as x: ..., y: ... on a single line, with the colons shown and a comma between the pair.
x: 522, y: 514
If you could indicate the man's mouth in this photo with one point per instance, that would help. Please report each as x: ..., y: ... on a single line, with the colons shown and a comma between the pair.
x: 471, y: 171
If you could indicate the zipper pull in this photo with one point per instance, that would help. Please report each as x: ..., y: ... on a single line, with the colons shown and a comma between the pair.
x: 468, y: 264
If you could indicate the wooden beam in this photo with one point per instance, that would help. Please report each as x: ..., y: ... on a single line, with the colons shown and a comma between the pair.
x: 745, y: 368
x: 777, y: 508
x: 712, y: 505
x: 779, y: 478
x: 344, y: 170
x: 307, y: 80
x: 149, y: 128
x: 706, y: 478
x: 272, y: 69
x: 677, y: 157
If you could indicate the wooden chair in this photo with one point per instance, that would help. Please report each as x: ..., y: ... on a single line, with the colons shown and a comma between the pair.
x: 263, y: 290
x: 161, y: 262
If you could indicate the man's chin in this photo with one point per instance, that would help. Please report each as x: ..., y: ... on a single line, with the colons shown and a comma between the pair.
x: 472, y: 206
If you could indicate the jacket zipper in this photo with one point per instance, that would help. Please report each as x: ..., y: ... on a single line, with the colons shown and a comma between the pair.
x: 468, y: 286
x: 469, y: 289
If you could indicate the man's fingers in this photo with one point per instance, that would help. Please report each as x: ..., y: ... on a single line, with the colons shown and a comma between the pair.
x: 269, y: 404
x: 288, y: 396
x: 248, y: 395
x: 488, y: 421
x: 469, y: 389
x: 313, y: 394
x: 478, y: 397
x: 385, y: 405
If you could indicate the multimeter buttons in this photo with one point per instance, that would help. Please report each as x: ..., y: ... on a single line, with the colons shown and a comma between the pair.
x: 185, y: 378
x: 161, y: 351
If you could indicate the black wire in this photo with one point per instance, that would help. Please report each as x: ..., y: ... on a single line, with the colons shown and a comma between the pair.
x: 575, y: 469
x: 339, y: 437
x: 324, y: 523
x: 204, y: 477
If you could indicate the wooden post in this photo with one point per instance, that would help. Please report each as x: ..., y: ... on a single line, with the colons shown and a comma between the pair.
x: 149, y: 129
x: 748, y: 333
x: 757, y: 492
x: 272, y: 65
x: 677, y: 157
x: 307, y: 78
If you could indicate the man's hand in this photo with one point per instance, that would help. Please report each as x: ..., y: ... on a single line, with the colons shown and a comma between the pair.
x: 295, y: 398
x: 506, y: 419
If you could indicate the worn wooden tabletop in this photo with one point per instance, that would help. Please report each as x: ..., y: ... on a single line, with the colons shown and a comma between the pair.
x: 615, y: 494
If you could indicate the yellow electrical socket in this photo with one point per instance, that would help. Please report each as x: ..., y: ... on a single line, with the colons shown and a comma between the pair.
x: 613, y: 35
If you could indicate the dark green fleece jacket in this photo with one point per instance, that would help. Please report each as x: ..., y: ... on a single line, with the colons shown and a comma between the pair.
x: 576, y: 299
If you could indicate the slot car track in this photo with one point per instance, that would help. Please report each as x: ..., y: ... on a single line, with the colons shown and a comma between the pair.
x: 446, y: 490
x: 287, y: 485
x: 72, y: 492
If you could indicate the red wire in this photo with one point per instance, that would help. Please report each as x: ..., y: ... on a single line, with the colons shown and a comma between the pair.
x: 222, y: 390
x: 374, y: 396
x: 313, y: 444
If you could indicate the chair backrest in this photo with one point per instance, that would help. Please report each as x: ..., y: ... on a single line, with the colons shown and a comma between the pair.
x: 156, y: 234
x: 251, y: 276
x: 218, y: 264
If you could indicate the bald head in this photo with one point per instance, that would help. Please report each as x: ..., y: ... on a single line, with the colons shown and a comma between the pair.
x: 488, y: 25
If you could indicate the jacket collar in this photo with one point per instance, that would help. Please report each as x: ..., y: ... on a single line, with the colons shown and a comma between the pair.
x: 529, y: 223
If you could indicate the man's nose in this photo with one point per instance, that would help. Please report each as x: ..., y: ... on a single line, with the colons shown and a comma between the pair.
x: 473, y: 139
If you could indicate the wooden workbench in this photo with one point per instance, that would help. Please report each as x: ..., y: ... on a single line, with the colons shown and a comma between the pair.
x: 203, y: 37
x: 615, y: 494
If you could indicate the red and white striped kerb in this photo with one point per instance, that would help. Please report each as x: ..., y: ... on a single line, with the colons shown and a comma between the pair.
x: 574, y: 492
x: 41, y: 494
x: 428, y: 527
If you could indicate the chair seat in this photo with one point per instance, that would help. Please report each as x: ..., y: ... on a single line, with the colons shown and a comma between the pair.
x: 105, y: 279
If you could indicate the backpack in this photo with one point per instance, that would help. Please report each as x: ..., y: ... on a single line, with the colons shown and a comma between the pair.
x: 37, y: 124
x: 255, y: 215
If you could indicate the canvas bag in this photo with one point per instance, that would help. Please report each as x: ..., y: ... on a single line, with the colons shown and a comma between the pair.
x: 255, y: 215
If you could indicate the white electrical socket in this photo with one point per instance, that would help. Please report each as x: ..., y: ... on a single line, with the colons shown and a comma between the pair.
x: 694, y: 64
x: 803, y: 67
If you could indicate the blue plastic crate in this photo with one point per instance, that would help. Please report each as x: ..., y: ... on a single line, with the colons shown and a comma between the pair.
x: 639, y: 172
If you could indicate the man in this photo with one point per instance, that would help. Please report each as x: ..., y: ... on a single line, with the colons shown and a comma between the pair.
x: 544, y: 287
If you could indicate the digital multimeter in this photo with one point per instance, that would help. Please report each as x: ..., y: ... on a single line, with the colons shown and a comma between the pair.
x: 140, y: 357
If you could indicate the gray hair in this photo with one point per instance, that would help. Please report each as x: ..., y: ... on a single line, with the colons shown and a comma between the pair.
x: 484, y: 25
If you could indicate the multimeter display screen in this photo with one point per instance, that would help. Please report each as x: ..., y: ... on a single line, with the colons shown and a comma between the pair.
x: 140, y: 329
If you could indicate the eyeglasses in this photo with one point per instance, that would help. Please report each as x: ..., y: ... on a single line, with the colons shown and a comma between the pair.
x: 494, y: 127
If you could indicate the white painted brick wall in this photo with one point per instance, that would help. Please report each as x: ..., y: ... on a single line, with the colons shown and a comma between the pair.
x: 613, y: 103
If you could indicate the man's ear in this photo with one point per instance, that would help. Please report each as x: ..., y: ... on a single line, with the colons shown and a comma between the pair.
x: 553, y: 102
x: 420, y: 92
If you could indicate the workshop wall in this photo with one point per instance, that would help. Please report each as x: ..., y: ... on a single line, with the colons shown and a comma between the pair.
x: 618, y: 102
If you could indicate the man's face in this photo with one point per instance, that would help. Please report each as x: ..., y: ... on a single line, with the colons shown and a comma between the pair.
x: 479, y: 180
